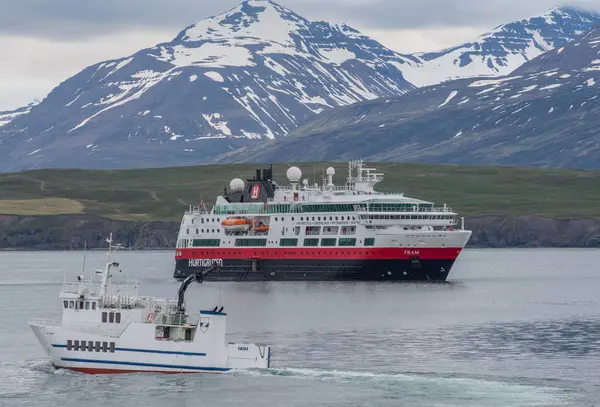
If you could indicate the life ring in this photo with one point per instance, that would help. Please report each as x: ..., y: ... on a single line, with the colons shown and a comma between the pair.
x: 150, y: 317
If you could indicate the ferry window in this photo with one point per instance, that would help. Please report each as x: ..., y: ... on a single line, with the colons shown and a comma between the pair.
x: 71, y: 304
x: 328, y: 242
x: 202, y: 220
x: 97, y: 347
x: 76, y: 345
x: 111, y: 317
x: 66, y: 303
x: 118, y: 317
x: 288, y: 242
x: 104, y: 315
x: 187, y: 231
x: 370, y: 241
x: 206, y: 242
x: 90, y: 346
x: 196, y: 231
x: 112, y: 347
x: 93, y: 305
x: 83, y: 345
x: 192, y: 220
x: 87, y: 305
x: 104, y: 346
x: 69, y: 345
x: 250, y: 242
x: 311, y: 242
x: 347, y: 241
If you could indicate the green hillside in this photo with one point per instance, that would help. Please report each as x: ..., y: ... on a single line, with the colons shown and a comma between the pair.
x: 163, y: 194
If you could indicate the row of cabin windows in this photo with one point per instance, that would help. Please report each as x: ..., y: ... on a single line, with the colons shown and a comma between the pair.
x: 111, y: 317
x: 208, y: 220
x: 308, y: 218
x: 198, y: 231
x: 91, y: 346
x: 324, y: 242
x: 79, y: 304
x: 308, y: 242
x: 407, y: 217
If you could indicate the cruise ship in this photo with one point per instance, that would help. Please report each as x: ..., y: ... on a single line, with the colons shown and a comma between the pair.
x: 259, y: 230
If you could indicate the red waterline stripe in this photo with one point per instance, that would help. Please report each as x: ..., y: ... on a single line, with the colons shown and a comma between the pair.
x: 383, y: 253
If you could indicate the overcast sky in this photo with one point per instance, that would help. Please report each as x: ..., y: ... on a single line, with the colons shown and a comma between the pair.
x: 43, y: 42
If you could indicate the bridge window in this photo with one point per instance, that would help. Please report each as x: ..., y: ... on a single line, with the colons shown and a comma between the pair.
x: 71, y: 304
x: 104, y: 317
x: 66, y: 303
x: 93, y: 305
x: 111, y: 317
x: 118, y: 317
x: 87, y: 305
x: 370, y: 241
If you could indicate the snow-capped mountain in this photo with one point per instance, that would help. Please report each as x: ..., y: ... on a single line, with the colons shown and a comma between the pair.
x: 254, y: 72
x: 249, y: 76
x: 544, y: 114
x: 502, y: 50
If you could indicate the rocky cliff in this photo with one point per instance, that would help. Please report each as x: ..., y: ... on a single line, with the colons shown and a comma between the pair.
x: 68, y: 232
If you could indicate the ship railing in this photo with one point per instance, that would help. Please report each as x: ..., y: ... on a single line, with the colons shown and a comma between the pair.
x: 94, y: 328
x: 44, y: 322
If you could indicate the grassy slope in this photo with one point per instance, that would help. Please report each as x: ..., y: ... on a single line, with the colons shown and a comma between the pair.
x: 163, y: 194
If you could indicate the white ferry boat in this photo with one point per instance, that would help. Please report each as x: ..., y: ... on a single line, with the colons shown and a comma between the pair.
x: 109, y: 328
x: 259, y: 230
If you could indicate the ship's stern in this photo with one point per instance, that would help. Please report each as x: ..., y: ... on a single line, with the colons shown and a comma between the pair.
x: 248, y: 356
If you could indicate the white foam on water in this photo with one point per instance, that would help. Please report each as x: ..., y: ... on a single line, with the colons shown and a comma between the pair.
x: 455, y: 391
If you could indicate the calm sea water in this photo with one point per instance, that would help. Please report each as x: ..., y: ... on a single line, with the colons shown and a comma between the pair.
x: 512, y: 328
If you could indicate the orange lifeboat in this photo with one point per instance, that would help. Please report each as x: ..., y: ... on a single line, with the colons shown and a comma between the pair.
x: 258, y: 226
x: 236, y: 224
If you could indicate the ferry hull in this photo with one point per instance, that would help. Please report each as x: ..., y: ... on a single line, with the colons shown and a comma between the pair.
x: 324, y: 270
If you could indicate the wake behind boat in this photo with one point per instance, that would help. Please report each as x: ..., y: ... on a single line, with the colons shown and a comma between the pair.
x: 109, y: 328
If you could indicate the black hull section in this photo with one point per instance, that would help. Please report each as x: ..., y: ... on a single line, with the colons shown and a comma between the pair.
x: 319, y: 270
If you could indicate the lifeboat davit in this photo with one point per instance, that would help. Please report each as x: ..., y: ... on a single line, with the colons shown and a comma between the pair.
x: 236, y: 224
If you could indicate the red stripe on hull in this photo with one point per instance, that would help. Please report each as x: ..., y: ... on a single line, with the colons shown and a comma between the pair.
x: 324, y: 253
x: 93, y: 370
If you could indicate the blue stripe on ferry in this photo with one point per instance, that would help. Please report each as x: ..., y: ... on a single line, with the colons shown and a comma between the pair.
x: 166, y: 352
x: 114, y: 362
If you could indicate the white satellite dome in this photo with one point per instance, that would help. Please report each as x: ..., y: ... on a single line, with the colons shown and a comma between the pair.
x: 330, y: 171
x: 294, y: 174
x: 236, y: 185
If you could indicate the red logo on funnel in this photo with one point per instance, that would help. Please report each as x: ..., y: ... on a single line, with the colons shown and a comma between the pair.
x: 255, y: 192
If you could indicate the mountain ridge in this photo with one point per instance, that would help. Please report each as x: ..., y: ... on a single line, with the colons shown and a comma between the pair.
x: 542, y: 115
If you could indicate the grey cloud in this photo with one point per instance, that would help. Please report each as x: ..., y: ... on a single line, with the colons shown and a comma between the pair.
x: 68, y: 19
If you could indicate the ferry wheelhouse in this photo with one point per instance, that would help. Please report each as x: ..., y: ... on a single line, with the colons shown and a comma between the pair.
x: 259, y: 230
x: 110, y: 328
